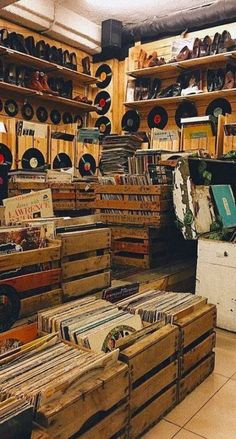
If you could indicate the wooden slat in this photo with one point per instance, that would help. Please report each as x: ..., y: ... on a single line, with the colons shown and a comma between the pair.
x: 133, y: 189
x: 153, y: 206
x: 90, y: 398
x: 154, y: 220
x: 196, y: 354
x: 153, y: 412
x: 152, y: 386
x: 31, y: 281
x: 196, y: 376
x: 85, y: 241
x: 35, y: 303
x: 86, y: 285
x: 110, y: 425
x: 85, y: 266
x: 132, y: 247
x: 130, y: 232
x: 136, y: 262
x: 146, y: 354
x: 30, y: 257
x: 63, y: 195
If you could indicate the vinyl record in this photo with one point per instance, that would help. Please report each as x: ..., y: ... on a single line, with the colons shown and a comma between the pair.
x: 130, y: 121
x: 5, y: 156
x: 62, y: 160
x: 55, y: 117
x: 11, y: 108
x: 67, y: 117
x: 103, y: 102
x: 218, y: 107
x: 185, y: 109
x: 104, y: 125
x: 79, y: 120
x: 87, y: 165
x: 41, y: 114
x: 157, y: 118
x: 32, y: 159
x: 104, y: 74
x: 27, y: 111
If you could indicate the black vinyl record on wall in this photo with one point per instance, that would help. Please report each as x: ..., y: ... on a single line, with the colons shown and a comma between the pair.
x: 62, y: 160
x: 11, y: 108
x: 27, y: 111
x: 185, y: 109
x: 103, y: 102
x: 218, y: 107
x: 5, y: 156
x: 104, y: 75
x: 32, y: 159
x: 130, y: 121
x: 103, y: 123
x: 87, y: 165
x: 41, y: 114
x: 157, y: 118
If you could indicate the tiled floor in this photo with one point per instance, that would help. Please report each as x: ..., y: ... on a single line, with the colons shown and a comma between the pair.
x: 209, y: 412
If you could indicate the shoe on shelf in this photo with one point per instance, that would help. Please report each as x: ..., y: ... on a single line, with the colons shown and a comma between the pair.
x: 196, y: 48
x: 86, y: 65
x: 142, y: 58
x: 43, y: 79
x: 10, y: 74
x: 205, y: 46
x: 229, y: 79
x: 35, y: 83
x: 214, y: 48
x: 184, y: 54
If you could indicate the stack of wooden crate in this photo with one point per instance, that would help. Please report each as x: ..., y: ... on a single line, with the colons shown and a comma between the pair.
x: 85, y: 197
x: 134, y: 204
x: 63, y: 196
x: 139, y: 217
x: 85, y: 261
x: 153, y: 368
x: 197, y: 341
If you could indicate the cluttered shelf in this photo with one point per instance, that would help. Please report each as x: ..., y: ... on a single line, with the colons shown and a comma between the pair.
x: 15, y: 89
x: 180, y: 65
x: 174, y: 99
x: 47, y: 66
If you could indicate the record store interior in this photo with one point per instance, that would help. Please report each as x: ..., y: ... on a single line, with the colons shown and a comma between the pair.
x: 117, y: 219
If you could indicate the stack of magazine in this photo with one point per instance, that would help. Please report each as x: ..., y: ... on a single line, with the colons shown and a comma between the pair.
x: 90, y: 323
x: 44, y: 369
x: 116, y: 151
x: 156, y: 305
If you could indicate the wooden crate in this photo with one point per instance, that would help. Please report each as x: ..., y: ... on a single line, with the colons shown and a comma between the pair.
x: 38, y: 289
x: 63, y: 196
x: 85, y: 261
x: 133, y: 204
x: 15, y: 189
x: 96, y: 408
x: 153, y: 366
x: 196, y: 324
x: 196, y: 376
x: 144, y: 247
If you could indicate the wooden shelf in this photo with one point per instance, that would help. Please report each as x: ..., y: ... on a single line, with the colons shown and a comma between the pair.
x: 181, y: 65
x: 58, y: 100
x: 176, y: 99
x: 46, y: 66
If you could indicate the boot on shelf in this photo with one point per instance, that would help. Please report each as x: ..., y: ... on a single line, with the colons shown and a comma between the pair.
x: 35, y: 83
x: 86, y: 65
x: 43, y: 79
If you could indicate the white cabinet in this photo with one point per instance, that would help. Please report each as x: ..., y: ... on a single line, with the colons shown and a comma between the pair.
x: 216, y: 279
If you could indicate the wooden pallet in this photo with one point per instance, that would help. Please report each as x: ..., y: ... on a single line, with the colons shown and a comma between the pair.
x: 96, y: 408
x: 153, y: 366
x: 85, y: 261
x: 196, y: 376
x: 39, y: 289
x: 139, y: 246
x: 133, y: 204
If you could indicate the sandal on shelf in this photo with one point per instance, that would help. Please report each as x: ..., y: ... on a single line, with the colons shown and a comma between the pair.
x: 205, y: 46
x: 142, y: 59
x: 224, y: 42
x: 153, y: 60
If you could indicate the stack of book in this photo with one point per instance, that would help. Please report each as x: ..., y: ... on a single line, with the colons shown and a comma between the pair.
x: 139, y: 164
x: 156, y: 305
x: 90, y: 323
x: 116, y: 151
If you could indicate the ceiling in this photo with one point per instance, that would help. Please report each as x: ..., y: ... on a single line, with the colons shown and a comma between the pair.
x: 130, y: 11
